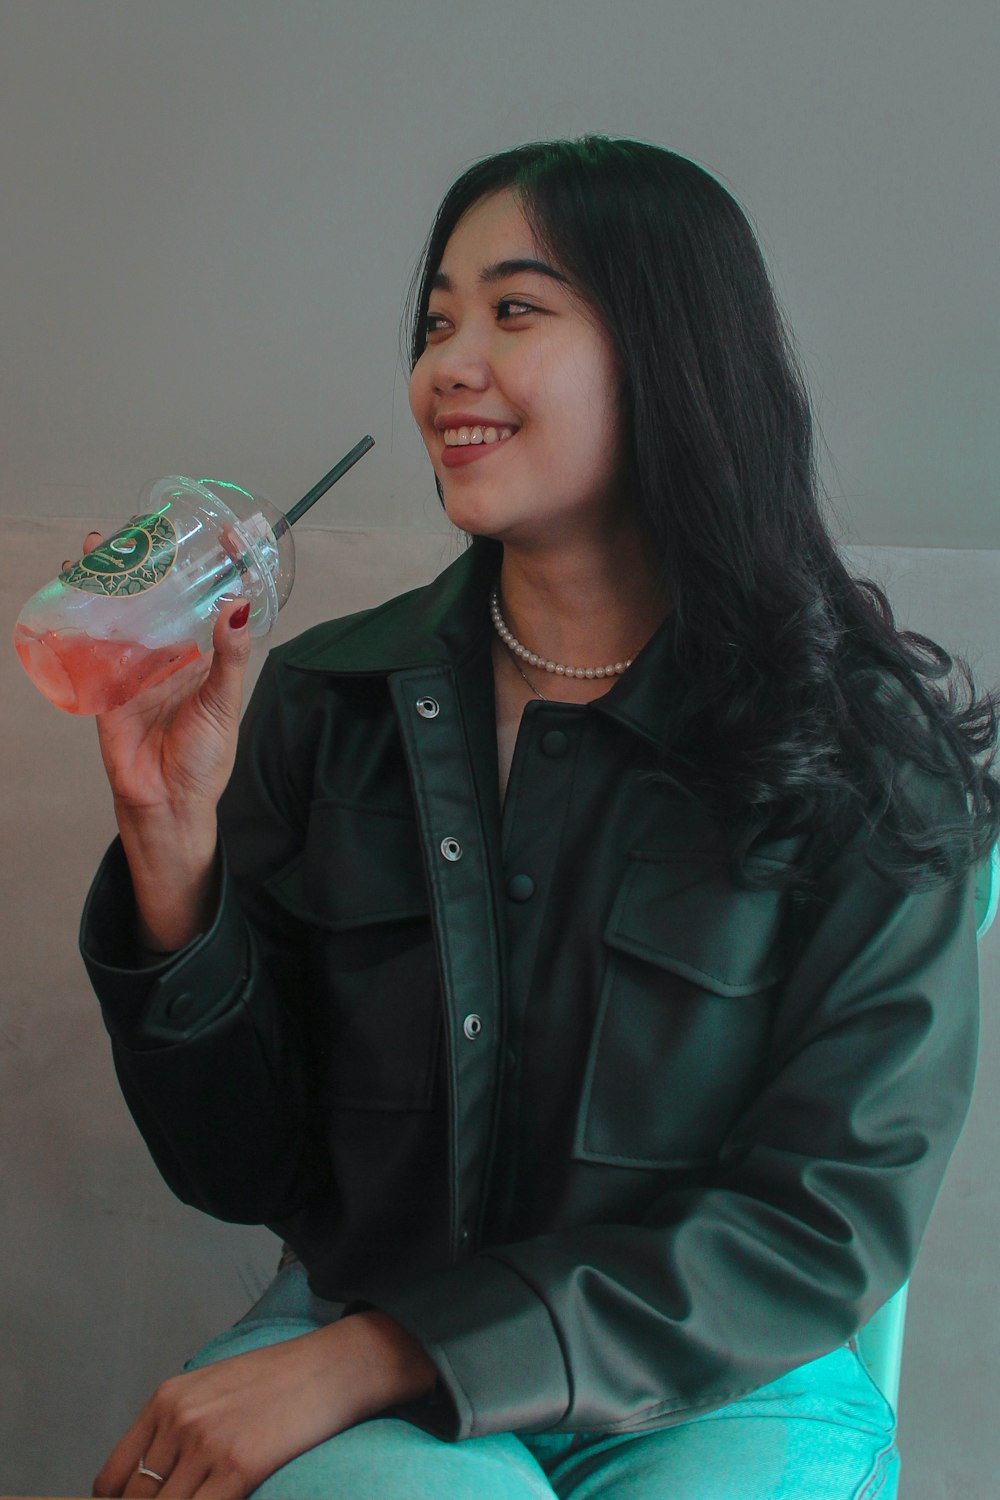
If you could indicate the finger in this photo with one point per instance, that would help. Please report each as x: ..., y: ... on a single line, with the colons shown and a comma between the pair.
x: 90, y: 541
x: 183, y: 1478
x: 142, y: 1486
x: 122, y: 1462
x: 195, y: 1476
x: 222, y: 690
x: 231, y: 544
x: 218, y: 1486
x: 155, y: 1469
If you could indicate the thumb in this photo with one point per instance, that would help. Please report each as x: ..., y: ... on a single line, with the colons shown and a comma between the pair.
x: 222, y: 690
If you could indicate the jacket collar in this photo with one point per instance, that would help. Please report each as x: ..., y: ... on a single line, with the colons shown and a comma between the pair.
x: 436, y: 624
x: 447, y: 621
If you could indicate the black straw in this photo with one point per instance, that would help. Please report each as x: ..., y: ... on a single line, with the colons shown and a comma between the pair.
x: 338, y: 471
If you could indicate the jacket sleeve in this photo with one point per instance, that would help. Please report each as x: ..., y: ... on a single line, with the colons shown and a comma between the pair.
x: 811, y: 1219
x: 207, y: 1051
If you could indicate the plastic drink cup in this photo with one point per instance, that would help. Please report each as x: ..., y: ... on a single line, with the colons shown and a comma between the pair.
x: 143, y: 603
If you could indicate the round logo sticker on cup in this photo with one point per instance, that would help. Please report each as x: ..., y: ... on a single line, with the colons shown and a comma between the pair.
x: 135, y: 559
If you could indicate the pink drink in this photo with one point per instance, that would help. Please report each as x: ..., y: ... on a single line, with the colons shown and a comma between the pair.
x: 85, y: 675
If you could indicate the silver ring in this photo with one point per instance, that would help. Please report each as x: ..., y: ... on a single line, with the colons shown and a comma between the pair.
x: 150, y: 1473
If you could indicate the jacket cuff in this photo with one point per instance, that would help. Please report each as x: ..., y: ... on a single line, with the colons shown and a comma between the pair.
x: 499, y: 1358
x: 151, y: 1005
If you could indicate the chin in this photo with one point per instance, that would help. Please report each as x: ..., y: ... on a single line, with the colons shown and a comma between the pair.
x: 478, y: 520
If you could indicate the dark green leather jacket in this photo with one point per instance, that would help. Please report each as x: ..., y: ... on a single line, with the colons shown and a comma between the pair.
x: 616, y: 1138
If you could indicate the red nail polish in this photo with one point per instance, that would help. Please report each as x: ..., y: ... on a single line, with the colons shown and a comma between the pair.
x: 239, y: 617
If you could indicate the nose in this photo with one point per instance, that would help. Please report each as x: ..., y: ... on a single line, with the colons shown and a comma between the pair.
x: 459, y: 364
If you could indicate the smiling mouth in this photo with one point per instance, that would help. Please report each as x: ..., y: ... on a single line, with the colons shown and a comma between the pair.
x: 463, y: 437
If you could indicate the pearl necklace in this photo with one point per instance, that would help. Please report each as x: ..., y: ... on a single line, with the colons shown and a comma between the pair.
x: 514, y: 645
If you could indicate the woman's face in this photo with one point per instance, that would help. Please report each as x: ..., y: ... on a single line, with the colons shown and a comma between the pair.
x: 516, y: 391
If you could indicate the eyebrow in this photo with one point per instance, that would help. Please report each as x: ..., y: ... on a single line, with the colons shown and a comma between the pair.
x: 499, y: 271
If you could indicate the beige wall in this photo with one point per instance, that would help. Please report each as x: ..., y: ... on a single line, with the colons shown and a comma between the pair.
x: 107, y: 1283
x: 212, y: 211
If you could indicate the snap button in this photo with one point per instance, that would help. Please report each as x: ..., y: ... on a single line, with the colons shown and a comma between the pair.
x: 428, y: 708
x: 554, y: 744
x: 520, y: 888
x: 451, y: 849
x: 472, y: 1026
x: 179, y: 1006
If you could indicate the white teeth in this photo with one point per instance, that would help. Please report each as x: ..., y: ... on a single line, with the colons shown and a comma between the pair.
x: 462, y: 437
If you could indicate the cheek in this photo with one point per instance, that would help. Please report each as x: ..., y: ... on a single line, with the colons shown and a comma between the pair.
x: 419, y: 390
x: 607, y: 412
x: 585, y: 410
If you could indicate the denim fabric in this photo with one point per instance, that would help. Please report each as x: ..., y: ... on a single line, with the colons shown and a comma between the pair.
x: 822, y: 1432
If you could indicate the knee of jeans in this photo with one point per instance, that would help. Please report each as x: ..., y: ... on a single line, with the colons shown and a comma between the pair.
x: 245, y: 1336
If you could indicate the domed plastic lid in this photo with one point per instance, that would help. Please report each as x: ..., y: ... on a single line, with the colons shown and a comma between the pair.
x: 249, y: 529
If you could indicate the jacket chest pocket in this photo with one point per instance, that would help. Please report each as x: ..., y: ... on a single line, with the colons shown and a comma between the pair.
x: 375, y: 1014
x: 680, y: 1039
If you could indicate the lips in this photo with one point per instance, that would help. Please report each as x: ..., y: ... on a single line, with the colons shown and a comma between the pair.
x: 456, y: 455
x: 468, y: 437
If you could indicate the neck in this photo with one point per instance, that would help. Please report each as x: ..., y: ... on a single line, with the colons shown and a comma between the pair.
x: 584, y: 609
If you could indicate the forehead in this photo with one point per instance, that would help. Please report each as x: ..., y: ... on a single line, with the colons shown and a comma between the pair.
x: 493, y: 226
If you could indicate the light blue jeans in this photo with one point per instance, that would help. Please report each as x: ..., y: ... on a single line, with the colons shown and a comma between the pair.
x: 822, y: 1432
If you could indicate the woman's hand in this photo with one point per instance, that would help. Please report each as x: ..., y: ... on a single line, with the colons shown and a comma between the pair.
x: 220, y: 1430
x: 172, y: 746
x: 168, y: 754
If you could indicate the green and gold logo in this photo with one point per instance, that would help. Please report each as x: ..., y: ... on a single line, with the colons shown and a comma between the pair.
x: 135, y: 559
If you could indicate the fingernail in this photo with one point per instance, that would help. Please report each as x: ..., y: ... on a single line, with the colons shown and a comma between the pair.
x: 240, y: 616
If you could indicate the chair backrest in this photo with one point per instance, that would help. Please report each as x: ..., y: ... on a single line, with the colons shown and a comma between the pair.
x: 988, y: 892
x: 880, y: 1341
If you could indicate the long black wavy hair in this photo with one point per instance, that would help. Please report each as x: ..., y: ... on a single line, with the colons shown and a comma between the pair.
x: 801, y: 697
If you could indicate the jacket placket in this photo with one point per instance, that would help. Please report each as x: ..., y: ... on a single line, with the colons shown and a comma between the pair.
x: 456, y: 857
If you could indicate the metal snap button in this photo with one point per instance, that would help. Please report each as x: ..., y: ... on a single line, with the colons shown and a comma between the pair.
x: 428, y: 708
x: 472, y: 1026
x: 451, y: 849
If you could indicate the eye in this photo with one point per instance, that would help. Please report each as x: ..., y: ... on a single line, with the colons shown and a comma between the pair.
x: 510, y: 307
x: 433, y: 323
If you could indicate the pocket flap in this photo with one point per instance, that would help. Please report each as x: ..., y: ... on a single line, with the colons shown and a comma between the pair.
x: 359, y: 866
x: 683, y: 913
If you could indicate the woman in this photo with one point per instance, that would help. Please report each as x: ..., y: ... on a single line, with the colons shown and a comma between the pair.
x: 594, y: 1018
